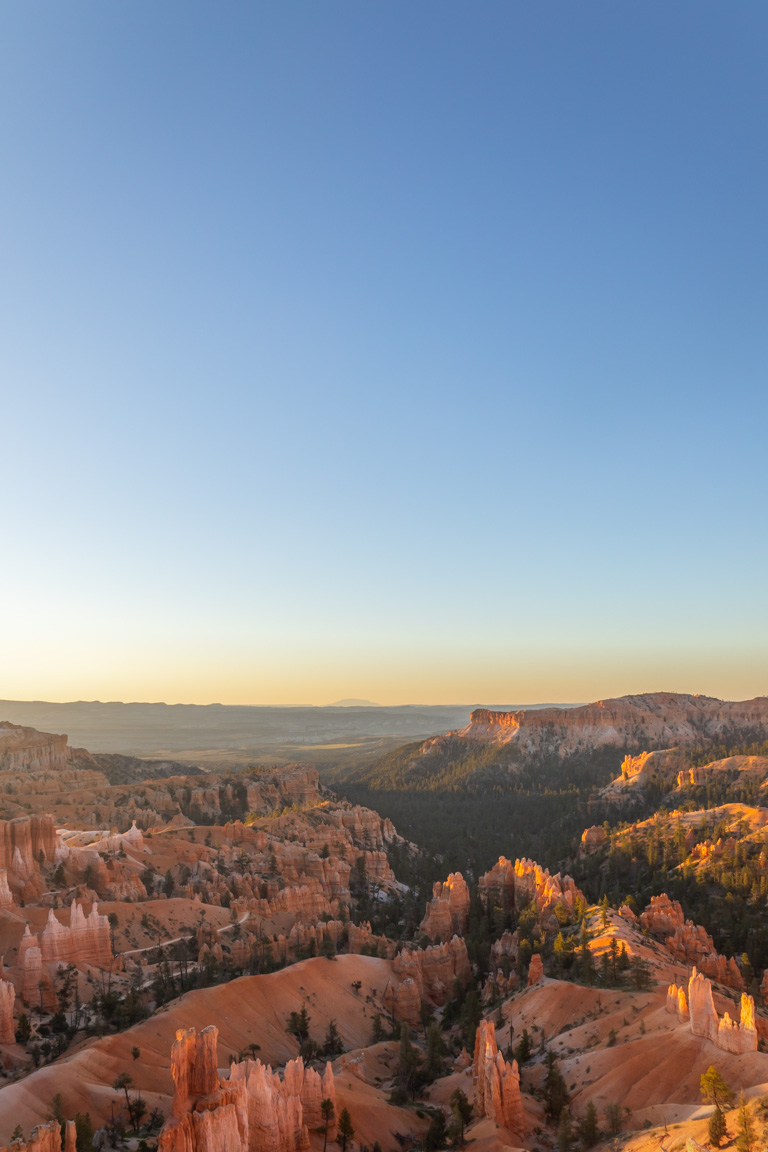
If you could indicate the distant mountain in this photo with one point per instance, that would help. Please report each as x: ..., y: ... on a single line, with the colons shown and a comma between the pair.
x: 352, y: 702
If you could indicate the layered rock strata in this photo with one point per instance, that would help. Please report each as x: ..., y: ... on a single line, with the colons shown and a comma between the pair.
x: 663, y: 719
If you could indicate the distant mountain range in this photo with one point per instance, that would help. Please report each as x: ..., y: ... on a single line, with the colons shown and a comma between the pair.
x: 199, y: 730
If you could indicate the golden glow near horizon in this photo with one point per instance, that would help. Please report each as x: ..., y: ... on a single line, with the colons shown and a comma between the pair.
x: 524, y: 679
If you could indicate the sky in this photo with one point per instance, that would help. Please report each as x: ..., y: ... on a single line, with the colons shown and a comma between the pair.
x: 411, y: 352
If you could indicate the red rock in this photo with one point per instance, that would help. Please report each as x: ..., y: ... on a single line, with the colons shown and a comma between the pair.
x: 434, y: 969
x: 676, y: 1002
x: 663, y: 718
x: 254, y: 1111
x: 592, y: 839
x: 535, y: 970
x: 725, y: 1033
x: 448, y: 911
x: 403, y: 1001
x: 7, y: 997
x: 497, y: 1083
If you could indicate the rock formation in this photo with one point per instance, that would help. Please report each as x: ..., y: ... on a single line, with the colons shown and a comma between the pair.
x: 664, y: 719
x: 688, y: 942
x: 524, y: 882
x: 497, y: 1083
x: 36, y: 987
x: 403, y: 1001
x: 448, y: 911
x: 592, y: 839
x: 676, y: 1002
x: 26, y: 842
x: 6, y: 896
x: 535, y: 970
x: 434, y: 969
x: 725, y: 1033
x: 7, y: 998
x: 47, y: 1138
x: 26, y: 748
x: 253, y: 1111
x: 83, y: 941
x: 663, y: 916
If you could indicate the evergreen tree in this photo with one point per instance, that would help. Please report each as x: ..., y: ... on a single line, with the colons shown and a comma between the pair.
x: 326, y: 1109
x: 564, y: 1131
x: 714, y: 1089
x: 745, y: 1127
x: 345, y: 1131
x: 717, y: 1128
x: 523, y: 1049
x: 333, y: 1045
x: 614, y: 1118
x: 554, y: 1087
x: 437, y: 1133
x: 407, y: 1064
x: 589, y: 1131
x: 436, y: 1050
x: 461, y: 1110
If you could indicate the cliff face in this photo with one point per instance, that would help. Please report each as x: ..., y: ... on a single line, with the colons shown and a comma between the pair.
x: 253, y: 1111
x: 27, y: 748
x: 497, y: 1083
x: 661, y: 718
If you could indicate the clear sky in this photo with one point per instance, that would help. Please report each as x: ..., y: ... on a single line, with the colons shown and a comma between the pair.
x: 414, y: 352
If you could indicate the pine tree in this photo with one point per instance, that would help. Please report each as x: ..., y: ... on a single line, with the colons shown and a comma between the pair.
x: 745, y: 1127
x: 327, y: 1110
x: 589, y: 1131
x: 564, y: 1131
x: 461, y: 1110
x: 717, y: 1128
x: 523, y: 1049
x: 714, y: 1089
x: 436, y: 1050
x: 554, y: 1087
x: 345, y: 1131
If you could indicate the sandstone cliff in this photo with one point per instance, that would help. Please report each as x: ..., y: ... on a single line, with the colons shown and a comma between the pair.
x: 660, y: 718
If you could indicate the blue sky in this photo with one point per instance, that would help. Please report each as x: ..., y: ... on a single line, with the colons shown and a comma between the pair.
x: 410, y: 352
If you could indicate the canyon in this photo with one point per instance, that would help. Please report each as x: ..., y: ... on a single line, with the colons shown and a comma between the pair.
x: 178, y: 929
